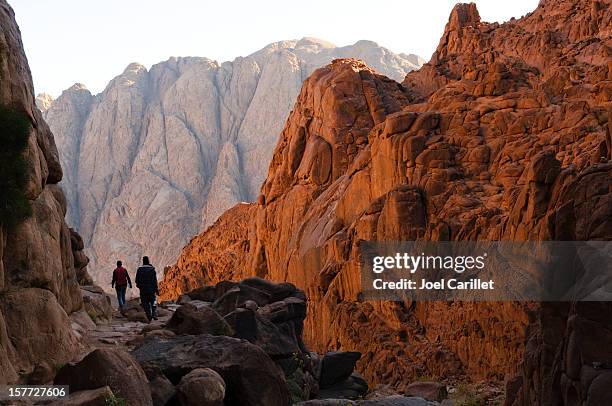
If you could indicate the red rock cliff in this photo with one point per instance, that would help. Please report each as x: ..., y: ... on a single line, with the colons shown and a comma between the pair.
x: 503, y: 135
x: 40, y: 258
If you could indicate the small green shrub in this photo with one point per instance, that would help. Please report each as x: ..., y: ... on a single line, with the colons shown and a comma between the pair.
x: 114, y: 401
x: 14, y: 131
x: 93, y: 316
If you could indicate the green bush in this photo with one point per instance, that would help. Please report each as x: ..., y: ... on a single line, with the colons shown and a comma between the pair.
x: 114, y: 401
x: 14, y: 131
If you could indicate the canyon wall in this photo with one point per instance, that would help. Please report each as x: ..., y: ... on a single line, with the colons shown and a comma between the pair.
x: 159, y: 154
x: 503, y: 135
x: 40, y: 260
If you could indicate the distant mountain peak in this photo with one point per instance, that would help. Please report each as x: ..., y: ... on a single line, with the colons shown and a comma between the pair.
x: 314, y: 41
x: 134, y: 68
x: 43, y: 101
x: 366, y: 44
x: 77, y: 87
x: 179, y: 143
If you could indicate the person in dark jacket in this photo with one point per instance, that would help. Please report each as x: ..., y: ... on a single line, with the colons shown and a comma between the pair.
x: 146, y: 281
x: 121, y: 280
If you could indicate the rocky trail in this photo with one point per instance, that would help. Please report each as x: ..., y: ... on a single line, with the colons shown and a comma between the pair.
x: 125, y: 332
x: 233, y: 343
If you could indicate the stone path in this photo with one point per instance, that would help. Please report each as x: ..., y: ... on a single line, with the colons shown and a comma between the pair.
x: 126, y: 332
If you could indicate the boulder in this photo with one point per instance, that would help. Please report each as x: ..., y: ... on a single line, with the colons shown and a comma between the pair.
x: 151, y: 327
x: 112, y: 367
x: 353, y: 387
x: 37, y: 327
x: 134, y: 312
x: 287, y: 316
x: 336, y: 367
x: 278, y: 341
x: 81, y: 323
x: 238, y: 296
x: 211, y: 293
x: 434, y: 391
x: 244, y: 324
x: 600, y: 390
x: 160, y: 333
x: 276, y: 291
x: 189, y: 319
x: 251, y: 305
x: 97, y: 304
x: 251, y: 377
x: 162, y: 390
x: 288, y: 309
x: 201, y: 387
x: 183, y: 299
x: 93, y: 397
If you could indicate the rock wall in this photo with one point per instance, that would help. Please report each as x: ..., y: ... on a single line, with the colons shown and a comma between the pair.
x: 160, y: 154
x: 503, y: 135
x: 38, y: 281
x: 217, y: 254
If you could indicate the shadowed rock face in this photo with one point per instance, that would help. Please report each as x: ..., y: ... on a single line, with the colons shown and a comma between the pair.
x: 38, y: 280
x: 160, y: 154
x: 503, y: 135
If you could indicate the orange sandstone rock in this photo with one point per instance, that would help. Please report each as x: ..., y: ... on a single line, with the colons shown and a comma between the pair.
x: 503, y: 135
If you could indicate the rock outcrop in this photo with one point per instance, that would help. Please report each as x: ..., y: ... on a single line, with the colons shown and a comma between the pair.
x: 503, y: 135
x: 255, y: 354
x: 39, y: 256
x: 160, y: 154
x: 115, y: 368
x: 43, y: 101
x: 257, y: 358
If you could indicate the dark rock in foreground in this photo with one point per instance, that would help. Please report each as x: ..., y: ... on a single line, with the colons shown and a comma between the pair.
x: 251, y: 377
x: 201, y: 387
x: 337, y: 366
x: 93, y: 397
x: 115, y: 368
x: 189, y: 319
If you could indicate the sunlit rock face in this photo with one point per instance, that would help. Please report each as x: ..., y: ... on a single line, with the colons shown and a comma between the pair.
x: 503, y: 135
x: 161, y: 153
x: 43, y: 101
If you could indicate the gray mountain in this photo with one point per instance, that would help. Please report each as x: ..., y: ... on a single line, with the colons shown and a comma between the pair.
x: 161, y: 153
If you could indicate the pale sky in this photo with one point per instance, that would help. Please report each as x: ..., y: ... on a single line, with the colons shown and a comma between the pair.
x: 92, y: 41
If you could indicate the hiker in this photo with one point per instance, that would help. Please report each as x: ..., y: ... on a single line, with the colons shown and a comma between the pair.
x: 121, y: 280
x: 146, y: 281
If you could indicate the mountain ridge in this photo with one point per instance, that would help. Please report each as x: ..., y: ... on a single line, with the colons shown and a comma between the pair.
x: 160, y: 153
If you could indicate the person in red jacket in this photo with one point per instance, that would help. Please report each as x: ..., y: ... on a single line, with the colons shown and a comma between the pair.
x: 121, y: 280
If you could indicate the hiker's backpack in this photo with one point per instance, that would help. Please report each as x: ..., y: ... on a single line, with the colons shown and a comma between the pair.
x: 120, y: 276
